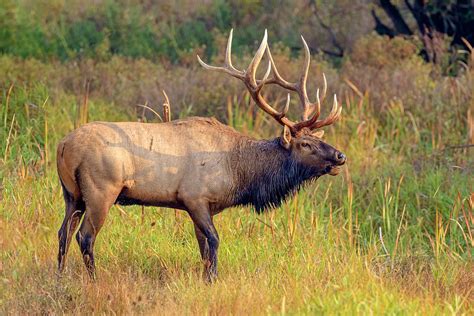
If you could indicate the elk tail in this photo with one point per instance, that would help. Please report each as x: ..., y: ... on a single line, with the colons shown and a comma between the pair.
x: 67, y: 175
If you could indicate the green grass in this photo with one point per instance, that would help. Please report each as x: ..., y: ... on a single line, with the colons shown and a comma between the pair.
x: 392, y: 234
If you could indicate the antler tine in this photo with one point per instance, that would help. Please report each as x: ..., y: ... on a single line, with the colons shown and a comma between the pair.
x: 325, y: 87
x: 313, y: 122
x: 317, y: 109
x: 302, y: 83
x: 229, y: 68
x: 267, y: 73
x: 277, y: 78
x: 332, y: 117
x: 228, y: 51
x: 263, y: 81
x: 319, y: 100
x: 252, y: 69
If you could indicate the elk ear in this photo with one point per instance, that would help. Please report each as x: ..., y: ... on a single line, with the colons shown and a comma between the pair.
x: 318, y: 134
x: 285, y: 138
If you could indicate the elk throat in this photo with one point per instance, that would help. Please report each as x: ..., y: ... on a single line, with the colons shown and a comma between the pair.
x: 265, y: 174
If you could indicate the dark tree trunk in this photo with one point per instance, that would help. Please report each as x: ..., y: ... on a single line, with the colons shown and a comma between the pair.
x: 434, y: 19
x: 401, y: 27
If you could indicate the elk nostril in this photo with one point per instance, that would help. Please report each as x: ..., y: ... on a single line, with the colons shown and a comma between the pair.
x: 340, y: 157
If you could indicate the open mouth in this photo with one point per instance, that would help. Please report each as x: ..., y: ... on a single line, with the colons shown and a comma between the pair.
x: 334, y: 170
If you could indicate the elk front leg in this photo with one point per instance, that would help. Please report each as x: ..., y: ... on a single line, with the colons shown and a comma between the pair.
x: 203, y: 248
x: 86, y: 236
x: 208, y: 240
x: 98, y: 204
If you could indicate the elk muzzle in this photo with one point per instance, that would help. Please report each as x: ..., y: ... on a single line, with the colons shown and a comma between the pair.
x: 339, y: 160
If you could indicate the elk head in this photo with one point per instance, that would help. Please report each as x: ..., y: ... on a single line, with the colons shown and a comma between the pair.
x: 302, y: 139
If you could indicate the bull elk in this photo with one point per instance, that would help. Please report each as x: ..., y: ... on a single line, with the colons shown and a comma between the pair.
x: 196, y: 164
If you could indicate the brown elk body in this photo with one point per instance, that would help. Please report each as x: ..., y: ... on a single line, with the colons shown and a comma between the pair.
x: 197, y: 164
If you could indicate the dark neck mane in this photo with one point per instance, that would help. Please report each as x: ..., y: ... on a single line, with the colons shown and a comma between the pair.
x: 265, y: 174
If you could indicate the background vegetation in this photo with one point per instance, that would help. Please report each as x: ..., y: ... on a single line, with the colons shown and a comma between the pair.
x: 392, y: 234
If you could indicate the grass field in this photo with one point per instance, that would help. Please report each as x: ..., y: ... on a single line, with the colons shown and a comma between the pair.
x: 392, y: 234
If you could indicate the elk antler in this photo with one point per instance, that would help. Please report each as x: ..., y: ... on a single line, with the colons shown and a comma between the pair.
x: 248, y: 77
x: 255, y: 86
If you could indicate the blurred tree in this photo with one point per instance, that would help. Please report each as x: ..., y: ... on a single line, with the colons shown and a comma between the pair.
x: 434, y: 20
x: 336, y: 25
x: 338, y: 48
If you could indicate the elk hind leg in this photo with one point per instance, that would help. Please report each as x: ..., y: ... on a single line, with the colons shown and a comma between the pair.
x: 75, y: 208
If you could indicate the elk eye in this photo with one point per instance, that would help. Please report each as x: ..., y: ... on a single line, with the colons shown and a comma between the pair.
x: 305, y: 145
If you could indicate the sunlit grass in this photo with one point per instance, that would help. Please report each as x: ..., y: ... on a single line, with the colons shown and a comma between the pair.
x: 391, y: 234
